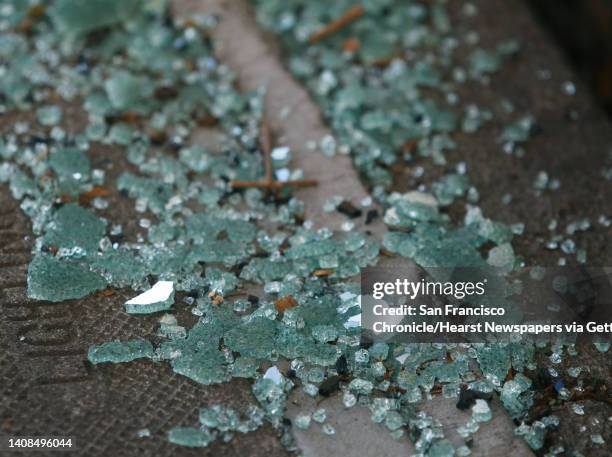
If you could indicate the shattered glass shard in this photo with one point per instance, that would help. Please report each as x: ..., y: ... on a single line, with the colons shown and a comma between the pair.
x: 126, y: 91
x: 56, y: 280
x: 74, y: 230
x: 120, y: 351
x: 160, y: 297
x: 191, y: 437
x: 84, y: 16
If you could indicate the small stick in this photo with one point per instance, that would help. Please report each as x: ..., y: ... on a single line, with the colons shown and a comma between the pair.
x: 382, y: 63
x: 386, y: 61
x: 350, y: 15
x: 274, y: 185
x: 266, y: 146
x: 268, y: 181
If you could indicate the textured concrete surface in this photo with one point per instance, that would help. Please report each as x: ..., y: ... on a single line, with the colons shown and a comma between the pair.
x: 356, y: 434
x: 48, y: 387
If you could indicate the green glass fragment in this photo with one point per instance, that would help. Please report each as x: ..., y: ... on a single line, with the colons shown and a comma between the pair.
x: 302, y: 421
x: 441, y: 448
x: 72, y: 168
x: 320, y: 415
x: 206, y: 367
x: 221, y: 281
x: 219, y: 417
x: 74, y: 18
x: 120, y: 351
x: 190, y: 437
x: 253, y: 339
x: 533, y: 434
x: 245, y: 367
x: 328, y: 429
x: 516, y: 397
x: 49, y: 115
x: 56, y: 280
x: 361, y: 386
x: 271, y: 397
x: 121, y: 268
x: 502, y: 257
x: 450, y: 187
x: 75, y: 230
x: 481, y: 411
x: 126, y: 91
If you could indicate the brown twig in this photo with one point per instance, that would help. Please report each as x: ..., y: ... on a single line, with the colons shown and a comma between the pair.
x: 350, y: 15
x: 274, y: 185
x: 266, y: 146
x: 323, y: 272
x: 386, y: 61
x: 268, y: 181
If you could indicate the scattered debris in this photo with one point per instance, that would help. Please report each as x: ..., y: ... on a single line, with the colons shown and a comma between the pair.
x: 268, y: 183
x: 160, y: 297
x: 467, y: 398
x: 199, y: 237
x: 348, y: 209
x: 349, y: 16
x: 285, y: 303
